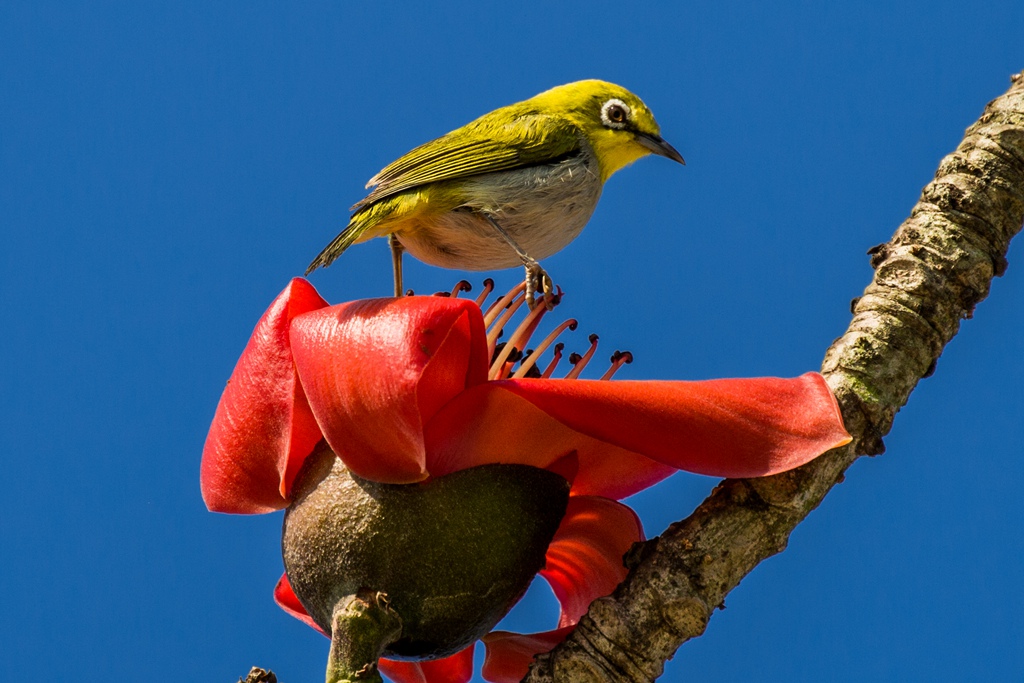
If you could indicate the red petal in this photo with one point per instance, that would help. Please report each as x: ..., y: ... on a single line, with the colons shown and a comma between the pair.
x: 725, y: 428
x: 488, y: 424
x: 509, y: 655
x: 584, y: 561
x: 458, y: 668
x: 263, y: 428
x: 286, y: 599
x: 375, y: 371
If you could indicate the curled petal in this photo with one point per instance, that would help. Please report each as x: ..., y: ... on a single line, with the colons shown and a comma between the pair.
x: 725, y: 428
x: 263, y: 428
x: 375, y: 371
x: 584, y: 560
x: 286, y: 599
x: 509, y: 655
x: 457, y: 668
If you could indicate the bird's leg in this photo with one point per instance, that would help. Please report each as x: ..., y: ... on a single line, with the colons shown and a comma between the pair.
x: 396, y: 261
x: 536, y: 277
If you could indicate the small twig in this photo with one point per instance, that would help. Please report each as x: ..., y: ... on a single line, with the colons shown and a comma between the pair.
x: 258, y: 675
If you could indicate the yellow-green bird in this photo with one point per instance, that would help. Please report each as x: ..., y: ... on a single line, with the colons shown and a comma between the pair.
x: 513, y: 186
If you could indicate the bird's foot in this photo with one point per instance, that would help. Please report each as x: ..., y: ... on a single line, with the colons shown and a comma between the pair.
x: 537, y: 280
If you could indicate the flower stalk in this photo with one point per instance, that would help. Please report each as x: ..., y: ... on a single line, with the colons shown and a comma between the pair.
x: 362, y: 627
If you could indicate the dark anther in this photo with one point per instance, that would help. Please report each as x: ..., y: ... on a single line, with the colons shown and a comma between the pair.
x: 572, y: 326
x: 558, y: 347
x: 534, y: 371
x: 575, y: 358
x: 488, y: 282
x: 409, y: 292
x: 464, y: 286
x: 515, y: 355
x: 498, y: 348
x: 592, y: 338
x: 442, y: 293
x: 625, y: 356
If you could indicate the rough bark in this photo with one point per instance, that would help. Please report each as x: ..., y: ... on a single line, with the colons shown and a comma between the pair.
x: 258, y: 675
x: 928, y: 277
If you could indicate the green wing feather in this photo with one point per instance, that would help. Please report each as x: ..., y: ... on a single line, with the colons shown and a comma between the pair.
x: 499, y: 141
x: 505, y: 139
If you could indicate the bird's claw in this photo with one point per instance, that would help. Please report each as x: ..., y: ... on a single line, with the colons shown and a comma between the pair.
x: 537, y: 279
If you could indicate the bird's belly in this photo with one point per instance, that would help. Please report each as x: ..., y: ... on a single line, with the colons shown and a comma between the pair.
x: 542, y: 208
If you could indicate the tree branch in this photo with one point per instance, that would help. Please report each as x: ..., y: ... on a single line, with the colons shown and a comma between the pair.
x: 935, y: 270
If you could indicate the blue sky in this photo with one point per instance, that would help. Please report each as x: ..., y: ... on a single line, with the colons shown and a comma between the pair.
x: 165, y: 168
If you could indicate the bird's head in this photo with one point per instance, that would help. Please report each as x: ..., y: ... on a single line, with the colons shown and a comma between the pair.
x: 617, y: 123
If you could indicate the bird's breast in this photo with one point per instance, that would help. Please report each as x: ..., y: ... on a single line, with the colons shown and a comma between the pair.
x: 542, y: 208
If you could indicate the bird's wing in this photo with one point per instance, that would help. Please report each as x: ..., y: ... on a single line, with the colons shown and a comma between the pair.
x: 478, y: 147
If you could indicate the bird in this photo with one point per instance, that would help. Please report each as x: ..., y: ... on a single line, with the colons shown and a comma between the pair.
x: 514, y: 186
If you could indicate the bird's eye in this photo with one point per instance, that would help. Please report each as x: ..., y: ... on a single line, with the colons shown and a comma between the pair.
x: 615, y: 114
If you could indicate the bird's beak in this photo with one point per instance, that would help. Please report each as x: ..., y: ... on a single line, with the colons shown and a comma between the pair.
x: 657, y: 144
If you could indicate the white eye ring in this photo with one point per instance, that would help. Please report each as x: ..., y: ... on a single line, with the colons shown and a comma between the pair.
x: 615, y: 108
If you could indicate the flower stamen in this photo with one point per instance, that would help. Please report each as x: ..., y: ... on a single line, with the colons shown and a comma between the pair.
x: 518, y: 340
x: 503, y: 360
x: 488, y: 288
x: 579, y: 362
x: 556, y: 356
x: 505, y: 355
x: 570, y: 324
x: 619, y: 358
x: 461, y: 286
x: 504, y: 302
x: 499, y: 324
x: 527, y: 368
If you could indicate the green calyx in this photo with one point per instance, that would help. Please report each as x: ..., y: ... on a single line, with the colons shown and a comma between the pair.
x: 450, y: 556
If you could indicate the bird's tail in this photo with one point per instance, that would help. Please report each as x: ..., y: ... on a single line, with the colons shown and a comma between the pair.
x: 352, y: 232
x: 375, y: 220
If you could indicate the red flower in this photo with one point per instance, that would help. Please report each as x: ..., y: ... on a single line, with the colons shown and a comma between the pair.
x: 400, y: 389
